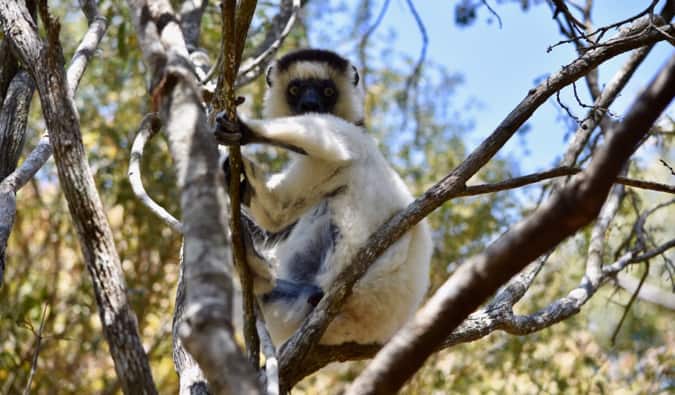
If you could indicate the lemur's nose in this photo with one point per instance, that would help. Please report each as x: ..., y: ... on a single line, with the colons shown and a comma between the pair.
x: 310, y: 102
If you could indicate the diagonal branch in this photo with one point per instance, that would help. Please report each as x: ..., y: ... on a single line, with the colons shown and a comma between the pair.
x: 301, y: 343
x: 566, y: 212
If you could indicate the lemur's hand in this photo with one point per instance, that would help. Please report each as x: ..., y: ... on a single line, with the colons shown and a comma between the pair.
x: 231, y: 132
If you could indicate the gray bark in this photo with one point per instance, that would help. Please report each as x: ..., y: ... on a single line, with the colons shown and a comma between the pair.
x: 46, y: 66
x: 204, y: 327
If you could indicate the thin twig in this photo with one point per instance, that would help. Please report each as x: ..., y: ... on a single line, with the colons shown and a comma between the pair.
x: 630, y: 304
x: 471, y: 190
x: 602, y: 30
x: 414, y: 77
x: 363, y: 43
x: 36, y: 352
x: 235, y: 24
x: 493, y: 12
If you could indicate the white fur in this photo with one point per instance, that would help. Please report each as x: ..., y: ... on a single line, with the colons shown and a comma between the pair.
x: 339, y: 155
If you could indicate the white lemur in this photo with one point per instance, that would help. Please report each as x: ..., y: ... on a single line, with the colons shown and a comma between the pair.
x: 309, y: 220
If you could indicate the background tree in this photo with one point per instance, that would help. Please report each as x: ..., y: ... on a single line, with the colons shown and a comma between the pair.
x: 54, y: 342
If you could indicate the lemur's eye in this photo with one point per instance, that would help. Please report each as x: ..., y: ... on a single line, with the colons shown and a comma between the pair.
x: 328, y: 91
x: 294, y: 90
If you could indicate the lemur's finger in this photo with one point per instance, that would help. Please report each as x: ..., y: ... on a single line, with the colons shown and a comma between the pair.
x: 227, y: 137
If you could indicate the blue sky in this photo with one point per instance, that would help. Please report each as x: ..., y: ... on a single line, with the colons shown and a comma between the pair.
x: 500, y: 65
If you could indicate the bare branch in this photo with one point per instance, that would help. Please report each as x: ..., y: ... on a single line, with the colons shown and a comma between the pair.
x: 282, y: 24
x: 204, y: 328
x: 8, y: 188
x: 566, y: 212
x: 493, y: 12
x: 233, y: 38
x: 609, y: 94
x: 13, y: 115
x: 363, y: 43
x: 413, y: 80
x: 192, y: 380
x: 648, y: 293
x: 36, y: 351
x: 600, y: 32
x: 471, y: 190
x: 300, y: 344
x: 85, y: 51
x: 13, y: 119
x: 629, y: 305
x: 149, y: 127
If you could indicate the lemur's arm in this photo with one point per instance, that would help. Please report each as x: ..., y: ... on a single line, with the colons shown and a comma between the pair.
x: 320, y: 136
x: 329, y: 143
x: 278, y: 202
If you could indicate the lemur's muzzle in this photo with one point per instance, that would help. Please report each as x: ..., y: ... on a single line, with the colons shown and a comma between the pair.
x: 310, y: 101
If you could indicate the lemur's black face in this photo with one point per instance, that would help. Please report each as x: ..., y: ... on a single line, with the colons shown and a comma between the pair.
x: 311, y: 95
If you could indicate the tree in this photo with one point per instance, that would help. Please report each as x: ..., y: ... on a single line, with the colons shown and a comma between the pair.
x: 179, y: 92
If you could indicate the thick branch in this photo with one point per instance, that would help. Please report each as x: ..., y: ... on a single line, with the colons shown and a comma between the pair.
x: 566, y: 212
x: 46, y: 65
x: 13, y: 119
x: 205, y: 328
x: 14, y: 115
x: 311, y: 331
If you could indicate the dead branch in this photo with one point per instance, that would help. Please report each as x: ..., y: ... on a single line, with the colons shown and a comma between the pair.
x: 295, y: 350
x: 567, y: 211
x: 149, y: 127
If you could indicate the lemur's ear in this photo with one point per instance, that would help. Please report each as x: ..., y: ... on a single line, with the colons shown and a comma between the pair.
x: 268, y: 76
x: 356, y: 76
